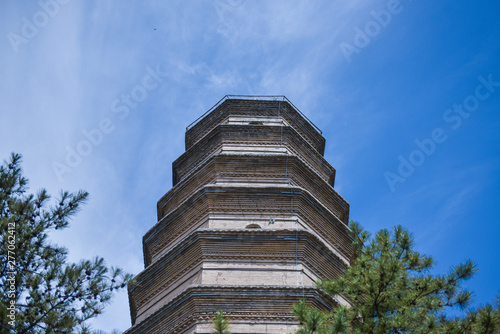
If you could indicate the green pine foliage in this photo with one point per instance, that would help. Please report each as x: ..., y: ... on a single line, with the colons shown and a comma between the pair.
x: 220, y: 323
x: 390, y: 290
x: 41, y: 291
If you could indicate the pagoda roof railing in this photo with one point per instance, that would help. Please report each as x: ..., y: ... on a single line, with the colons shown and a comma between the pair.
x: 257, y: 98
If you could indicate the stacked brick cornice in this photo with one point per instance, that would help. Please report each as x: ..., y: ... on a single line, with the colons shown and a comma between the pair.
x: 251, y: 223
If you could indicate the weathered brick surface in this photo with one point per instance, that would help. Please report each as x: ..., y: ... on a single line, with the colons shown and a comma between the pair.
x: 245, y: 305
x: 242, y: 107
x: 257, y: 170
x: 250, y: 202
x: 234, y: 257
x: 256, y: 139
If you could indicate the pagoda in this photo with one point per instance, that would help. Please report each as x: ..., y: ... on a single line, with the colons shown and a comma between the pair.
x: 251, y: 222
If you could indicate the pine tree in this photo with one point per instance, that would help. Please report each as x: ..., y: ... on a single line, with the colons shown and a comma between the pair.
x: 220, y: 323
x: 41, y: 291
x: 390, y: 290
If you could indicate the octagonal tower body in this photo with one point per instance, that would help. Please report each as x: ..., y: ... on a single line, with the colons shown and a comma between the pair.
x: 252, y: 221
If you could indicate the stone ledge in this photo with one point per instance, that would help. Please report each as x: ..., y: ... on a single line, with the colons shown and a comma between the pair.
x: 266, y: 138
x: 242, y: 304
x: 209, y: 200
x: 268, y: 250
x: 277, y: 168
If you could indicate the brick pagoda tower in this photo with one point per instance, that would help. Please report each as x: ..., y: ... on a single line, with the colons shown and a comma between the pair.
x: 252, y: 221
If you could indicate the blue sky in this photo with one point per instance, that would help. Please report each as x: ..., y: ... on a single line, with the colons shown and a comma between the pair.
x: 407, y: 94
